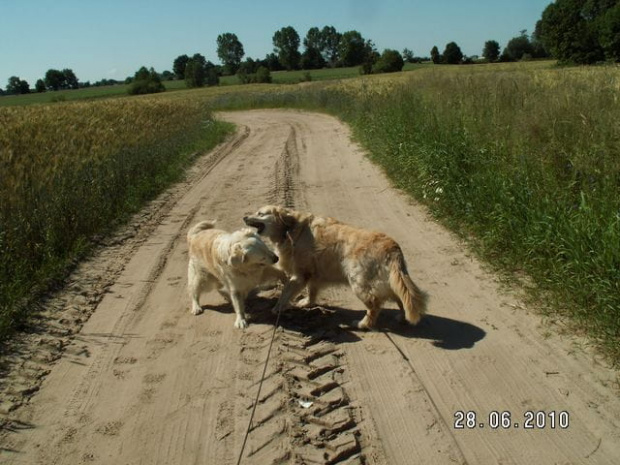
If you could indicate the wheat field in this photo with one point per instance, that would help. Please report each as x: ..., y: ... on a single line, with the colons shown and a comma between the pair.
x: 73, y: 170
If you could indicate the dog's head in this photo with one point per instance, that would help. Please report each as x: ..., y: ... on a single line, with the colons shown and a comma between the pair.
x: 272, y: 221
x: 249, y: 249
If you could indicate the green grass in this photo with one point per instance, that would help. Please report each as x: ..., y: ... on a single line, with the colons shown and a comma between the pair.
x: 293, y: 77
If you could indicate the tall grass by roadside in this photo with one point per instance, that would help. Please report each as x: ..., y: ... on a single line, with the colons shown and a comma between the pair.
x: 524, y: 161
x: 70, y: 171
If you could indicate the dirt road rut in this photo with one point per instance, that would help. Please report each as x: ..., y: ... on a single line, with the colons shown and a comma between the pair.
x: 142, y: 381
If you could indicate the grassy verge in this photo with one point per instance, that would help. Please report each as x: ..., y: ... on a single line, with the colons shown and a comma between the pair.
x: 522, y: 160
x: 70, y: 171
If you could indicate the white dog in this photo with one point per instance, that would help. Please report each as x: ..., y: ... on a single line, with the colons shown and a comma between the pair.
x: 233, y: 263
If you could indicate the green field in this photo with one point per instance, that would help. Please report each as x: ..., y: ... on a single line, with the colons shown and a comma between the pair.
x: 519, y: 159
x: 93, y: 93
x: 87, y: 93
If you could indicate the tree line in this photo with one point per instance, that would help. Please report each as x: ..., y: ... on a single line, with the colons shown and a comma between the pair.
x: 323, y: 48
x: 572, y: 31
x: 522, y: 47
x: 581, y: 32
x: 54, y: 80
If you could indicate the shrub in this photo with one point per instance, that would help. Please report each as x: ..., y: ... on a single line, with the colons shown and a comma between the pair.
x: 146, y: 82
x: 261, y: 76
x: 391, y: 61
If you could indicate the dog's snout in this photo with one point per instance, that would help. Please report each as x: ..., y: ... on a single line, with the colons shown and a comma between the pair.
x: 245, y: 218
x: 275, y: 259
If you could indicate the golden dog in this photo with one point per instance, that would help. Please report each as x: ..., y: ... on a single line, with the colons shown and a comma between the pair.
x: 316, y: 252
x: 233, y: 263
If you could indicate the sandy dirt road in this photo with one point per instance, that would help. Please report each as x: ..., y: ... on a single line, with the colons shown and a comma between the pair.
x: 143, y: 381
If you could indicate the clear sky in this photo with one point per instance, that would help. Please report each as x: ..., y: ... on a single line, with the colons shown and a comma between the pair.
x: 111, y: 39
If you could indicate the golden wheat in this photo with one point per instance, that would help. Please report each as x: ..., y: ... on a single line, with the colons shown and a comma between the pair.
x: 68, y: 171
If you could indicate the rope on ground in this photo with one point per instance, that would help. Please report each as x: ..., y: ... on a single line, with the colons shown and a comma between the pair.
x: 260, y: 386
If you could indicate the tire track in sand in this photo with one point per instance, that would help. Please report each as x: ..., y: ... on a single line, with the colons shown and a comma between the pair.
x: 304, y: 411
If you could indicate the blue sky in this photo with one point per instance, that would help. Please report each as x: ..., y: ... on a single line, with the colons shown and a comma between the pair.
x: 112, y: 38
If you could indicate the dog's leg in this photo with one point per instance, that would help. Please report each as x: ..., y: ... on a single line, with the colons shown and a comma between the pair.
x: 373, y: 307
x: 194, y: 287
x: 290, y: 291
x: 238, y: 302
x: 313, y: 291
x: 400, y: 317
x: 372, y: 313
x: 224, y: 293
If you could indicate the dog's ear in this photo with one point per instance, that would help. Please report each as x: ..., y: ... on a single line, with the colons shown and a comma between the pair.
x: 286, y: 218
x: 237, y: 256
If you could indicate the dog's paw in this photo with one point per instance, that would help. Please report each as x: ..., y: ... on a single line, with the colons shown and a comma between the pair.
x: 364, y: 324
x: 305, y: 302
x: 241, y: 323
x: 196, y: 310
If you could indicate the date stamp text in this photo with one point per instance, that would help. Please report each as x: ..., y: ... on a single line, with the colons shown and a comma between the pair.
x: 495, y: 420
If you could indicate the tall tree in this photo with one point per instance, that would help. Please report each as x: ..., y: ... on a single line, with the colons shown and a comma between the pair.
x: 573, y: 30
x: 518, y: 48
x: 196, y: 71
x: 272, y: 63
x: 230, y: 51
x: 40, y: 86
x: 54, y: 79
x: 491, y: 50
x: 314, y: 39
x: 352, y: 49
x: 371, y: 56
x: 609, y: 33
x: 330, y: 41
x: 194, y: 74
x: 179, y: 65
x: 71, y: 80
x: 435, y: 55
x: 212, y: 75
x: 286, y: 45
x: 17, y: 86
x: 452, y: 54
x: 408, y: 56
x: 312, y: 58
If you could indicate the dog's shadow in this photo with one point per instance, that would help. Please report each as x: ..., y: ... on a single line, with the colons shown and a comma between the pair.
x: 445, y: 333
x: 336, y: 323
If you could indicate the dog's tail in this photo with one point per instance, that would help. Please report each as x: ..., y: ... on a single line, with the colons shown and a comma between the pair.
x: 202, y: 226
x: 412, y: 297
